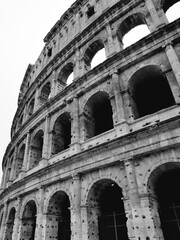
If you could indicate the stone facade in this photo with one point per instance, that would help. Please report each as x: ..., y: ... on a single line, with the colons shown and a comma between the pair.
x: 99, y: 158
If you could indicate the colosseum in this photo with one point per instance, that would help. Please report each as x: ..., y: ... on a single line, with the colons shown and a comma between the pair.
x: 97, y: 158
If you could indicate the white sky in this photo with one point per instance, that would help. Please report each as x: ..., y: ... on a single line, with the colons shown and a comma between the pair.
x: 23, y: 25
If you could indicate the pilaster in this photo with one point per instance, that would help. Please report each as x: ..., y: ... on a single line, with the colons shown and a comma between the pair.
x: 40, y: 217
x: 3, y: 224
x: 175, y: 65
x: 45, y: 151
x: 154, y: 14
x: 134, y: 213
x: 76, y: 209
x: 75, y: 129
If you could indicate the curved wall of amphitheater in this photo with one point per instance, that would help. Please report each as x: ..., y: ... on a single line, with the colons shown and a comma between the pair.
x: 97, y: 158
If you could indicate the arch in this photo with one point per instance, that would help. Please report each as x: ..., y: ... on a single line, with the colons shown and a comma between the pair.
x: 97, y: 108
x: 61, y: 136
x: 31, y: 108
x: 19, y: 160
x: 36, y: 149
x: 163, y: 183
x: 172, y: 9
x: 92, y: 51
x: 65, y: 76
x: 1, y: 216
x: 105, y: 212
x: 21, y: 120
x: 28, y: 225
x: 45, y: 93
x: 145, y: 87
x: 130, y: 23
x: 58, y: 217
x: 10, y: 224
x: 167, y: 4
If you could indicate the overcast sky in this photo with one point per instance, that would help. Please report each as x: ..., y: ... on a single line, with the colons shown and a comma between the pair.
x: 23, y: 25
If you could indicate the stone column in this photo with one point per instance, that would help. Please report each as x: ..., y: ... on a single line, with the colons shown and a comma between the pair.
x: 17, y: 221
x: 37, y: 99
x: 45, y: 151
x: 84, y: 220
x: 79, y: 68
x: 2, y: 181
x: 118, y: 97
x: 175, y: 65
x: 135, y: 216
x: 121, y: 125
x: 76, y: 209
x: 151, y: 217
x: 75, y: 127
x: 154, y: 14
x: 40, y: 217
x: 26, y: 156
x: 3, y: 224
x: 109, y: 45
x: 5, y: 177
x: 53, y: 84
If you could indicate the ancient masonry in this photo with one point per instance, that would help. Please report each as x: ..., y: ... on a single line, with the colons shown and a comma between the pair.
x: 99, y: 158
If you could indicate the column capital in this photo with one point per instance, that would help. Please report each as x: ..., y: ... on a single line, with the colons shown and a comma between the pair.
x: 167, y: 43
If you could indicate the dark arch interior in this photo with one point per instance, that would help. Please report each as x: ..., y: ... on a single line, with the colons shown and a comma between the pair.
x: 29, y: 221
x: 98, y: 112
x: 169, y: 203
x: 19, y: 160
x: 61, y: 133
x: 91, y: 52
x: 58, y: 216
x: 65, y: 73
x: 31, y: 107
x: 36, y: 149
x: 150, y: 91
x: 112, y: 220
x: 129, y: 23
x: 10, y: 224
x: 45, y: 92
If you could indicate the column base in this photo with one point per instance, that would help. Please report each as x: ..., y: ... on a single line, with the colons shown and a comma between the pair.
x: 75, y: 147
x: 122, y: 128
x: 43, y: 162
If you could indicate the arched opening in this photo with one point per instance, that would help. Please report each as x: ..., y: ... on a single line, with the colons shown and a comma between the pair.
x: 135, y: 35
x: 149, y: 91
x: 132, y: 29
x: 21, y: 120
x: 172, y: 9
x: 106, y: 214
x: 1, y: 217
x: 36, y: 149
x: 97, y: 115
x: 94, y: 55
x: 61, y: 138
x: 31, y: 108
x: 58, y: 217
x: 10, y: 224
x: 169, y: 202
x: 45, y: 93
x: 19, y: 160
x: 65, y: 77
x: 98, y: 58
x: 28, y: 225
